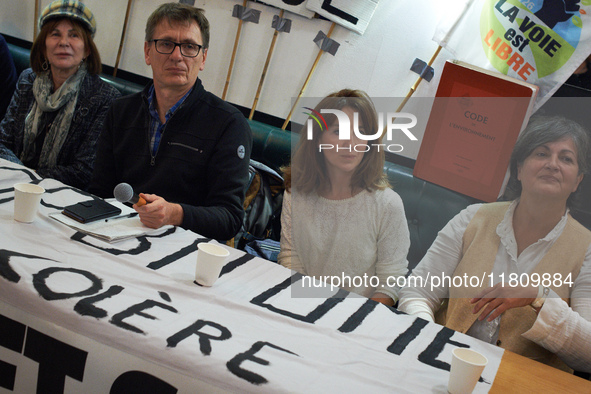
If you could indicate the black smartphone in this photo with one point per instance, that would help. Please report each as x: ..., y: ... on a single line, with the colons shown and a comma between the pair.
x: 91, y: 210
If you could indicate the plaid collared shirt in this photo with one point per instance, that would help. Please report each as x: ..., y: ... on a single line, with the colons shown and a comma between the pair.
x: 156, y: 127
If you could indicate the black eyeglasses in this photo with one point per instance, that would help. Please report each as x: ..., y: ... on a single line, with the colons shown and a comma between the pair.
x: 166, y: 47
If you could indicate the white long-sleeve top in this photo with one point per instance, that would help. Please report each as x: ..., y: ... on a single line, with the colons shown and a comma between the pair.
x: 564, y: 330
x: 362, y: 236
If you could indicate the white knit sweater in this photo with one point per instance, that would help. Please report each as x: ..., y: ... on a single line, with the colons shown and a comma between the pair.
x: 363, y: 235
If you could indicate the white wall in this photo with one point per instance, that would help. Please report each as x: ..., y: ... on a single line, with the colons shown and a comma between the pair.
x: 378, y: 61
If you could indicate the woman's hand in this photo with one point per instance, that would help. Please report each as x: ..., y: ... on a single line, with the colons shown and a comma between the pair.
x: 384, y: 299
x: 501, y: 297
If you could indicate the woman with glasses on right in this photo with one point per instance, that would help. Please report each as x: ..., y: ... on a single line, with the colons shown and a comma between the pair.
x: 534, y: 254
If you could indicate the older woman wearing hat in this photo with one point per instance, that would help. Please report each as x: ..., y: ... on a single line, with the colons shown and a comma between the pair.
x: 57, y: 111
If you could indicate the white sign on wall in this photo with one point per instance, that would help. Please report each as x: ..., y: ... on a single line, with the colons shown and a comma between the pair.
x: 295, y: 6
x: 352, y: 14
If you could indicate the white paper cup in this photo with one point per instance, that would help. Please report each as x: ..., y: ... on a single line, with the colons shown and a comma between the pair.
x: 26, y: 201
x: 210, y: 260
x: 466, y: 367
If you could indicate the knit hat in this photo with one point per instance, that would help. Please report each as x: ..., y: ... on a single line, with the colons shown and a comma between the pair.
x: 69, y: 9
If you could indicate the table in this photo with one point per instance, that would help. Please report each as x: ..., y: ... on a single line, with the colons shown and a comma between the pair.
x: 518, y: 374
x: 80, y: 315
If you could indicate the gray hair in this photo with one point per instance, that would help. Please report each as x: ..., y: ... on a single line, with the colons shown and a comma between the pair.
x: 542, y: 130
x: 179, y: 13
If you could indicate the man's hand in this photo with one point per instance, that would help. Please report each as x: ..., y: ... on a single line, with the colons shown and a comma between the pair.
x: 158, y: 212
x: 497, y: 299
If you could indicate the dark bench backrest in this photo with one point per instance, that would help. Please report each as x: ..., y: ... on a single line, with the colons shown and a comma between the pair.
x: 428, y: 208
x: 20, y: 56
x: 125, y: 87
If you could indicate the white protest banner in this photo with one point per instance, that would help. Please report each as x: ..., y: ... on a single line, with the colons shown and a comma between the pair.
x: 67, y: 299
x: 537, y: 41
x: 295, y: 6
x: 352, y: 14
x: 54, y: 359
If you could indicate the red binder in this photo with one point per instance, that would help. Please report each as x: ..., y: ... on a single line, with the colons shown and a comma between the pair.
x: 476, y: 118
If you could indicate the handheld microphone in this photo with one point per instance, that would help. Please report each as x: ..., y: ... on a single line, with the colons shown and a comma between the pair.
x: 123, y: 192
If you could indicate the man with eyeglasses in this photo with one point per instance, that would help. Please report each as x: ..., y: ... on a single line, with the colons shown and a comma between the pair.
x: 185, y: 148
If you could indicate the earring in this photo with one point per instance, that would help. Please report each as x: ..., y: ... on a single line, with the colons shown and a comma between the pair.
x: 45, y: 65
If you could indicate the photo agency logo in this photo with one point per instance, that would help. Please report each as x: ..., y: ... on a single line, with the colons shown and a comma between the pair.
x: 395, y: 122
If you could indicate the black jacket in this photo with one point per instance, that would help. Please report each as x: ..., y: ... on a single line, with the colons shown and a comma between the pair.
x: 76, y: 157
x: 201, y: 163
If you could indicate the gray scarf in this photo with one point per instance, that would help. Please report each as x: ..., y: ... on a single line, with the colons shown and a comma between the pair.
x: 63, y: 100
